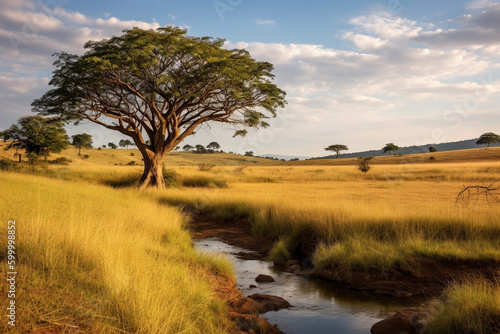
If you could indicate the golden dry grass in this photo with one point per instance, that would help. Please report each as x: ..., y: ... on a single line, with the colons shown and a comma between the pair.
x: 96, y: 260
x: 405, y: 210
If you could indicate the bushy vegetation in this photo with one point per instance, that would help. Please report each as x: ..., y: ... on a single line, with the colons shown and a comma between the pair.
x: 7, y: 165
x: 61, y: 161
x: 203, y: 182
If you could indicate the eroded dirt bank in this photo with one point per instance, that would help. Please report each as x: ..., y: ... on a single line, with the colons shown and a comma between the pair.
x: 423, y: 277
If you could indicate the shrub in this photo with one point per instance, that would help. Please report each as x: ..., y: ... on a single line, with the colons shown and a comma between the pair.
x: 132, y: 154
x: 364, y: 163
x: 171, y: 178
x: 131, y: 163
x: 86, y: 156
x: 61, y: 161
x: 203, y: 182
x: 7, y: 165
x: 205, y: 167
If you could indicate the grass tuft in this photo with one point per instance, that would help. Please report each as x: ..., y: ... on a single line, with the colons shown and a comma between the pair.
x: 469, y: 307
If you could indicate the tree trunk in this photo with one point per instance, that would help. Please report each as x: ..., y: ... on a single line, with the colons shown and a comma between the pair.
x: 153, y: 171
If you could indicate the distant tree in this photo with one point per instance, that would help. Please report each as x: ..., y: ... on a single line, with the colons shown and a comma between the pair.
x: 200, y: 149
x: 103, y: 146
x: 391, y: 147
x: 432, y: 149
x: 112, y: 145
x: 213, y: 145
x: 249, y: 153
x: 177, y: 148
x: 38, y: 136
x: 82, y: 140
x: 364, y: 163
x: 337, y: 148
x: 4, y: 135
x: 125, y: 143
x: 187, y: 147
x: 488, y: 138
x: 294, y: 159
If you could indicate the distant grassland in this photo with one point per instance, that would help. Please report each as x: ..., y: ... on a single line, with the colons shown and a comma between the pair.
x: 99, y: 260
x: 379, y: 219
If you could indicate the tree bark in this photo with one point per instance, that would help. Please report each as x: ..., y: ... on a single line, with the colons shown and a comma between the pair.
x: 153, y: 171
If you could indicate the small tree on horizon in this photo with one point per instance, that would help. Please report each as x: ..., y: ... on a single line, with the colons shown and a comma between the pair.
x: 187, y: 147
x: 82, y: 140
x: 391, y: 147
x: 125, y: 143
x: 112, y: 145
x: 213, y: 145
x: 488, y: 138
x: 200, y: 149
x: 337, y: 148
x: 432, y: 149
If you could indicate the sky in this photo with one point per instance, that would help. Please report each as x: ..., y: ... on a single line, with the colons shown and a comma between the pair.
x: 357, y: 73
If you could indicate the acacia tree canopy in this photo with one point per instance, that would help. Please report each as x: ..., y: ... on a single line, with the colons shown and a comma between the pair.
x: 82, y: 140
x: 159, y: 86
x: 213, y: 145
x: 337, y: 148
x: 488, y: 138
x: 390, y: 147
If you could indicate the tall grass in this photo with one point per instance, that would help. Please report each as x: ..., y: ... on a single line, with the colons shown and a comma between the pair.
x: 95, y: 259
x: 367, y: 220
x: 469, y: 307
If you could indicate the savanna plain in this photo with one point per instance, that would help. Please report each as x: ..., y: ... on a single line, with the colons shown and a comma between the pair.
x: 97, y: 255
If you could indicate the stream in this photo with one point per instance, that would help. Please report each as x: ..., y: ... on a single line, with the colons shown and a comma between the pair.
x: 318, y: 306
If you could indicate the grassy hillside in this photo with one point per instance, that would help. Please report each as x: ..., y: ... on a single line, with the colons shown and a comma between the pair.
x: 470, y: 155
x: 120, y: 157
x: 97, y: 260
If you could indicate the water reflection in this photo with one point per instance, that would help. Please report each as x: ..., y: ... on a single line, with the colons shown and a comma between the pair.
x: 318, y: 306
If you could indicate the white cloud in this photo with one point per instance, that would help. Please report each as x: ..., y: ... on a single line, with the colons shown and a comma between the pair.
x: 364, y: 42
x: 385, y: 25
x: 266, y: 22
x: 480, y: 4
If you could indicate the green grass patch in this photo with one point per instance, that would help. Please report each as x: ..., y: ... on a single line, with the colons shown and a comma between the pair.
x: 469, y: 307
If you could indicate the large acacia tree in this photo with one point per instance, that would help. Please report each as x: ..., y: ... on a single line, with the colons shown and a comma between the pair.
x: 158, y: 86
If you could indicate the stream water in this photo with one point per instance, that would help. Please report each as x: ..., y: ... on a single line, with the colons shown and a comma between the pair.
x: 318, y: 306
